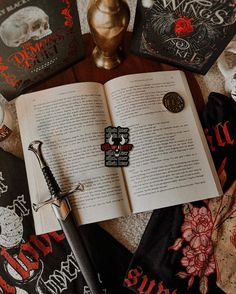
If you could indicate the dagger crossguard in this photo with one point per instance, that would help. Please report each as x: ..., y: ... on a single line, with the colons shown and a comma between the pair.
x: 58, y: 198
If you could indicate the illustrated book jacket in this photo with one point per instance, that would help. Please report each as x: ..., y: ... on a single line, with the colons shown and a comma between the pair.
x: 45, y: 264
x: 188, y: 34
x: 37, y: 39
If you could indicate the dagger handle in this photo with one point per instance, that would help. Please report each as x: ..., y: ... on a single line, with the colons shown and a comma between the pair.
x: 36, y: 148
x: 52, y: 184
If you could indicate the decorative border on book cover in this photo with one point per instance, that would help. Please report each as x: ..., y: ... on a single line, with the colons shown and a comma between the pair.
x: 187, y: 33
x: 37, y: 38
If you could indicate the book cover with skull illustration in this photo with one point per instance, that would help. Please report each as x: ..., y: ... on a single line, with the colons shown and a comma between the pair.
x: 187, y: 33
x: 37, y: 39
x: 43, y: 264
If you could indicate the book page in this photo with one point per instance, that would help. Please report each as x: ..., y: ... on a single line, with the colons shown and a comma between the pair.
x: 170, y: 162
x: 70, y: 120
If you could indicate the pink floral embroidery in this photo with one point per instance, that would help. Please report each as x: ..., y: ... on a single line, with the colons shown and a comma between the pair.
x: 198, y: 256
x: 198, y: 262
x: 197, y: 227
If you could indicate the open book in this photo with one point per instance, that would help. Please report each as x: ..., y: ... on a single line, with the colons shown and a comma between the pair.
x: 169, y: 164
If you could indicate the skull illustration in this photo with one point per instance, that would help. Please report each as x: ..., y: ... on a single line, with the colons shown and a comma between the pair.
x: 117, y: 142
x: 11, y: 228
x: 227, y: 71
x: 27, y: 23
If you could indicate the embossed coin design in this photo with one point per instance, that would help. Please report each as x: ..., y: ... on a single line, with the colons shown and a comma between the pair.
x: 173, y: 102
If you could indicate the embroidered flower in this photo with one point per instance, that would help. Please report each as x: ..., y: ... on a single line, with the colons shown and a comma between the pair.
x: 198, y: 259
x: 197, y: 227
x: 198, y: 262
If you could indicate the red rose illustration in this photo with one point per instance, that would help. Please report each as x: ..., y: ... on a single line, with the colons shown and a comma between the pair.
x: 183, y: 26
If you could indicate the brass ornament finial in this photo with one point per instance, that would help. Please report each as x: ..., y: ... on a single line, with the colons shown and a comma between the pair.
x: 108, y: 21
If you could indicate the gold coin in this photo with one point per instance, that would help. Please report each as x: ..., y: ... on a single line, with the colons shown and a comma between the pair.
x: 173, y: 102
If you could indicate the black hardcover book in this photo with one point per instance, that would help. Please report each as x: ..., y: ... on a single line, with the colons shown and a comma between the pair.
x: 187, y: 33
x: 37, y: 39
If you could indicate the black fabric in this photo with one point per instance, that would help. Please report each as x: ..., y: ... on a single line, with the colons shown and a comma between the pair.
x: 172, y: 257
x: 219, y: 117
x: 45, y: 264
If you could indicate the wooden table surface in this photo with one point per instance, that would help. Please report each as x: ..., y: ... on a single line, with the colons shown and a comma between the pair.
x: 86, y: 70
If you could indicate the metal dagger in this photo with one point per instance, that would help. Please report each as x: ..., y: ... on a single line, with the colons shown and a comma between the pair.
x: 63, y: 212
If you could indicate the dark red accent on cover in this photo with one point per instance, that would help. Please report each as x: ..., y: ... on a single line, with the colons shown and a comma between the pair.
x: 67, y: 14
x: 183, y: 26
x: 163, y: 31
x: 34, y: 48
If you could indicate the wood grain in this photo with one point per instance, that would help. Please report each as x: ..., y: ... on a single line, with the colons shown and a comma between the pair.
x: 86, y: 70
